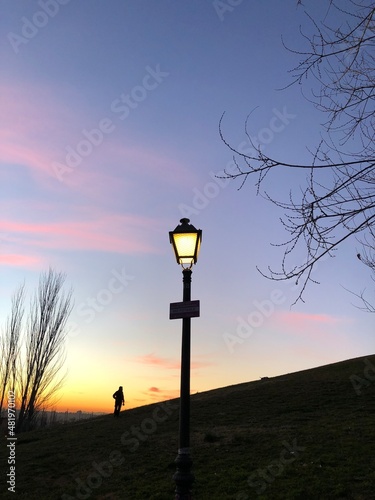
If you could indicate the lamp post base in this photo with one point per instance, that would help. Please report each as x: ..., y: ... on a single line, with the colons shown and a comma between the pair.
x: 183, y: 477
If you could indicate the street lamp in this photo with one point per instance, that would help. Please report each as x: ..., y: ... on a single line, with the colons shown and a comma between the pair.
x: 186, y: 242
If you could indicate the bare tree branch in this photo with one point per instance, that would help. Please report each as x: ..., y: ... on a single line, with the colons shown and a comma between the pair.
x: 338, y: 200
x: 10, y: 344
x: 45, y: 339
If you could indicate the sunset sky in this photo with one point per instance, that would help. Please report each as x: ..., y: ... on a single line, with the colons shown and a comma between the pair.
x: 109, y: 136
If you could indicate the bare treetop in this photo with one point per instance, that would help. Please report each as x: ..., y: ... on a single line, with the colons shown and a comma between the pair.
x: 340, y: 206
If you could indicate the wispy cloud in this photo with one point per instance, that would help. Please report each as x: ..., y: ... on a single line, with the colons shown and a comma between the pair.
x: 33, y: 127
x: 44, y: 123
x: 169, y: 364
x: 17, y: 260
x: 154, y: 389
x: 298, y: 319
x: 308, y: 324
x: 153, y: 360
x: 104, y: 232
x: 158, y: 394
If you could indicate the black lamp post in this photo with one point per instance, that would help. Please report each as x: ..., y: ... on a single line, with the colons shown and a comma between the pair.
x: 186, y: 242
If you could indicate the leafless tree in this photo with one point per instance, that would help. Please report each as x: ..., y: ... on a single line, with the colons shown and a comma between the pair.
x: 44, y: 350
x: 367, y: 256
x: 338, y: 200
x: 10, y: 345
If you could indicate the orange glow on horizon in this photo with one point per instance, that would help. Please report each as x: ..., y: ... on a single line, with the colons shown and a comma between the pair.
x: 89, y: 407
x: 71, y: 403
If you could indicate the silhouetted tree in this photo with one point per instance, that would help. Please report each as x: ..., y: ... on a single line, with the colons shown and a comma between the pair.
x: 367, y: 256
x: 10, y: 345
x: 44, y: 349
x: 338, y: 200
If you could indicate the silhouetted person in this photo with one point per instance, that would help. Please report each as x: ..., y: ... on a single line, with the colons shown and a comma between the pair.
x: 118, y: 396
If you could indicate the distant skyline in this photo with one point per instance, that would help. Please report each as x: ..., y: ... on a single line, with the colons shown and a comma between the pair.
x: 109, y: 136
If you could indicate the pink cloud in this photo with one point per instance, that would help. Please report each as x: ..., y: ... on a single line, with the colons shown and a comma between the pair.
x: 105, y: 232
x: 151, y: 359
x: 310, y: 325
x: 200, y: 364
x: 26, y: 155
x: 299, y: 319
x: 161, y: 394
x: 34, y: 126
x: 43, y: 122
x: 17, y: 260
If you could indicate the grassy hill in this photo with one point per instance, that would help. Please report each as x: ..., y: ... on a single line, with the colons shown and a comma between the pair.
x: 305, y: 435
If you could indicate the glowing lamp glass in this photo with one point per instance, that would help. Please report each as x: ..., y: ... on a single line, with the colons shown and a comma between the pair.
x: 186, y: 242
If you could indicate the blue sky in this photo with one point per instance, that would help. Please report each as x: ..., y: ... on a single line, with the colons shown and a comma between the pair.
x: 109, y: 136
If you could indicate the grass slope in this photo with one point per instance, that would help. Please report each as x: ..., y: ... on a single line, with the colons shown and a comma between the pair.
x: 305, y: 435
